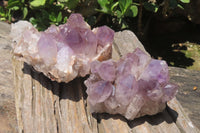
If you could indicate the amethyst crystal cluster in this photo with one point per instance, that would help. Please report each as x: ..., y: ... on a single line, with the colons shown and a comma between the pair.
x: 64, y: 52
x: 134, y: 86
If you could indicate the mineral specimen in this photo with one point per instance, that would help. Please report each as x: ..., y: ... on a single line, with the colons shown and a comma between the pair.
x: 64, y: 52
x: 134, y: 86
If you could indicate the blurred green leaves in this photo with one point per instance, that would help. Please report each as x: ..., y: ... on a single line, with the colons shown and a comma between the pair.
x: 185, y: 1
x: 42, y: 13
x: 124, y: 5
x: 119, y: 9
x: 3, y: 14
x: 71, y: 4
x: 107, y: 6
x: 134, y: 10
x: 37, y: 3
x: 25, y: 12
x: 130, y: 8
x: 151, y: 7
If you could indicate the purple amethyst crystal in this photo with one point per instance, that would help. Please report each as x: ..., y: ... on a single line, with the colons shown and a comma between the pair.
x: 134, y: 86
x: 64, y: 52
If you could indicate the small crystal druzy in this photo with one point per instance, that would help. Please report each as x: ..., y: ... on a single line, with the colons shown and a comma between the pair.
x: 134, y: 86
x: 64, y: 52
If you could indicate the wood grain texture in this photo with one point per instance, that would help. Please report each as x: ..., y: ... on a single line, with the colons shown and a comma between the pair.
x: 44, y: 106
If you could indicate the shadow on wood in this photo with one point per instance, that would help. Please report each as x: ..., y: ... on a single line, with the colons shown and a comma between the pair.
x: 63, y: 90
x: 76, y: 91
x: 43, y: 106
x: 155, y: 119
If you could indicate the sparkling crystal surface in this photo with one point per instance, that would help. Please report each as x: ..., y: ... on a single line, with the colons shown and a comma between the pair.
x: 62, y: 52
x: 134, y: 86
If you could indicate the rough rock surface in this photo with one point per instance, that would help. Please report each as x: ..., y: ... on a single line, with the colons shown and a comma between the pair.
x: 65, y: 52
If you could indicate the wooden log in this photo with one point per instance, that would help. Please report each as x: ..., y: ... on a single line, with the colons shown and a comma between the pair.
x: 43, y: 106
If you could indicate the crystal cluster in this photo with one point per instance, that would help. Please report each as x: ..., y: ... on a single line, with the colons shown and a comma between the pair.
x: 134, y: 86
x: 64, y: 52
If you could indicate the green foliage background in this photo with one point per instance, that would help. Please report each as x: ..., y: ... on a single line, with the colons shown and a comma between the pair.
x: 42, y: 13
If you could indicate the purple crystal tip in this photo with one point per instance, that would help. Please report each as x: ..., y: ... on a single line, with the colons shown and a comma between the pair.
x: 134, y: 86
x: 64, y: 52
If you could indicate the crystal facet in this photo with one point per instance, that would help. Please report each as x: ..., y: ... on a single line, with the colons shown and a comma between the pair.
x: 64, y: 52
x: 134, y: 86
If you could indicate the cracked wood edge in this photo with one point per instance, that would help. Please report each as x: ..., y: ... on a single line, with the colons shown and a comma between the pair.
x: 43, y: 106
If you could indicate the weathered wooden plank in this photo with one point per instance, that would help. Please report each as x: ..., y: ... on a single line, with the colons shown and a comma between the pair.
x: 44, y: 106
x: 187, y: 97
x: 182, y: 120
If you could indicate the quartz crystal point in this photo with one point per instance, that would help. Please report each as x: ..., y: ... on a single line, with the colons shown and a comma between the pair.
x: 64, y: 52
x: 134, y: 86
